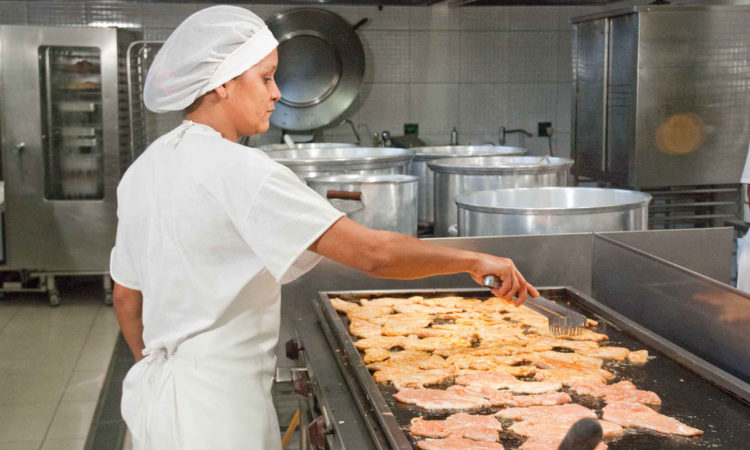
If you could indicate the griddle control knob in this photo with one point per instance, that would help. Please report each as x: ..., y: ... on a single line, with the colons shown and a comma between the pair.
x: 316, y: 431
x: 300, y: 382
x: 293, y: 349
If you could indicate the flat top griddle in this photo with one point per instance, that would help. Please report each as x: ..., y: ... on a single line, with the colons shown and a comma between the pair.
x: 686, y: 396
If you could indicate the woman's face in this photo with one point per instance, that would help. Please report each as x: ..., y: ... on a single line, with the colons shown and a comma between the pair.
x: 252, y: 96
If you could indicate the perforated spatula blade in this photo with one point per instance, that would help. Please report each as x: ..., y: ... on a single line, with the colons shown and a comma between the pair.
x: 560, y: 320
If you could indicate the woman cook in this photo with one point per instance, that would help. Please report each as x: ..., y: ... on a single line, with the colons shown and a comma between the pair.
x: 208, y: 232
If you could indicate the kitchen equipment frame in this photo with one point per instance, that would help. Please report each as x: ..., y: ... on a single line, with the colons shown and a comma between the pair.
x: 539, y: 258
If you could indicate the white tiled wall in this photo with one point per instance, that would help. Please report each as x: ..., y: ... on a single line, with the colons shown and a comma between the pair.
x: 474, y: 68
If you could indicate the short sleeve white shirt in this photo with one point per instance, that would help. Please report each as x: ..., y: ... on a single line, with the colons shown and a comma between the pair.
x: 201, y: 221
x: 746, y: 180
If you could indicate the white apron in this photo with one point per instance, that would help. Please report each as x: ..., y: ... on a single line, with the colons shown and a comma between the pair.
x: 214, y: 392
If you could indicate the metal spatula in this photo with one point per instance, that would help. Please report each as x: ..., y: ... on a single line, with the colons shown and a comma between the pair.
x: 561, y: 320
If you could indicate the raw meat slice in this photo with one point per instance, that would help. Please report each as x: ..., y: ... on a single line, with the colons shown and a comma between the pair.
x: 550, y: 443
x: 557, y: 429
x: 495, y: 397
x: 638, y: 357
x: 622, y: 391
x: 559, y: 413
x: 637, y: 415
x: 471, y: 426
x: 466, y: 419
x: 500, y: 380
x: 606, y: 352
x: 546, y: 399
x: 458, y: 444
x: 439, y: 399
x: 485, y: 362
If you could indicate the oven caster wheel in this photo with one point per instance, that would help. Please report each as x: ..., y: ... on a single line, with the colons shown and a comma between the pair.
x: 54, y: 298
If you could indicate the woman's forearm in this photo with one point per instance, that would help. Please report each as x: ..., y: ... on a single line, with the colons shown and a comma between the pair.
x: 128, y: 304
x: 386, y: 254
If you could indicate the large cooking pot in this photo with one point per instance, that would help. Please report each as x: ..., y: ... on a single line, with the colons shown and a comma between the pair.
x: 312, y: 162
x: 383, y: 202
x: 419, y: 168
x: 306, y: 145
x: 321, y: 66
x: 551, y: 210
x: 456, y: 176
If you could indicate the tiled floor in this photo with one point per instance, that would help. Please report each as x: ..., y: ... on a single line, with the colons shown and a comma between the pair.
x: 52, y: 365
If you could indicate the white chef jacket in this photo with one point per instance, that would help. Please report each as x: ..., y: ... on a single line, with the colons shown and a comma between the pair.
x: 208, y: 230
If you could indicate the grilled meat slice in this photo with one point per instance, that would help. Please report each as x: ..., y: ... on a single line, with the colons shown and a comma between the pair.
x: 500, y: 380
x: 638, y: 357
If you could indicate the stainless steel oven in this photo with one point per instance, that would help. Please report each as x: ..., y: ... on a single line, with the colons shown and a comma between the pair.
x: 64, y: 128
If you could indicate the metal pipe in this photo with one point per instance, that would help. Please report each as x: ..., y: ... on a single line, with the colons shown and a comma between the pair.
x: 504, y: 132
x: 354, y: 129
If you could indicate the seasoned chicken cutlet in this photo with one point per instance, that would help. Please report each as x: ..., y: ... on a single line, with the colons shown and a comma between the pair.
x: 364, y: 328
x: 606, y: 352
x: 405, y: 324
x: 411, y: 377
x: 500, y: 380
x: 343, y: 306
x: 638, y: 415
x: 384, y: 342
x: 638, y: 357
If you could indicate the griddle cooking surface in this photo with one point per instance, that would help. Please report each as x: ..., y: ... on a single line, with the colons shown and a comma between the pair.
x: 724, y: 420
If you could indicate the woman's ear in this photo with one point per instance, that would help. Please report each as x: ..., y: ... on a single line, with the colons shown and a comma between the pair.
x: 221, y: 91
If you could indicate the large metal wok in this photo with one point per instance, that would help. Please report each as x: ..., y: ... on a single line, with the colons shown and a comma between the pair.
x: 321, y: 66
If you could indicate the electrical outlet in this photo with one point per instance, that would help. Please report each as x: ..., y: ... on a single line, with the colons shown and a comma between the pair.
x: 545, y: 129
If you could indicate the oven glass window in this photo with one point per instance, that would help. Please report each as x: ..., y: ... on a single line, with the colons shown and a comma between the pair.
x: 71, y: 106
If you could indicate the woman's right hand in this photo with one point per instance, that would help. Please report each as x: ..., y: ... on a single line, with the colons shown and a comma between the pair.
x: 513, y: 284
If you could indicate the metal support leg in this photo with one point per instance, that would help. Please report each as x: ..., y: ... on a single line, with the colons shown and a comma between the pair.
x: 54, y: 294
x: 107, y: 289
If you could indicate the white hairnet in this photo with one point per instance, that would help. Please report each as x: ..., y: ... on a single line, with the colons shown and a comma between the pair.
x: 206, y: 50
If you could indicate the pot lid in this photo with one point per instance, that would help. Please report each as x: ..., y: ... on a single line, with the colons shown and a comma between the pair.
x: 321, y: 66
x: 456, y: 151
x: 356, y: 178
x: 500, y: 164
x: 340, y: 155
x: 552, y: 200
